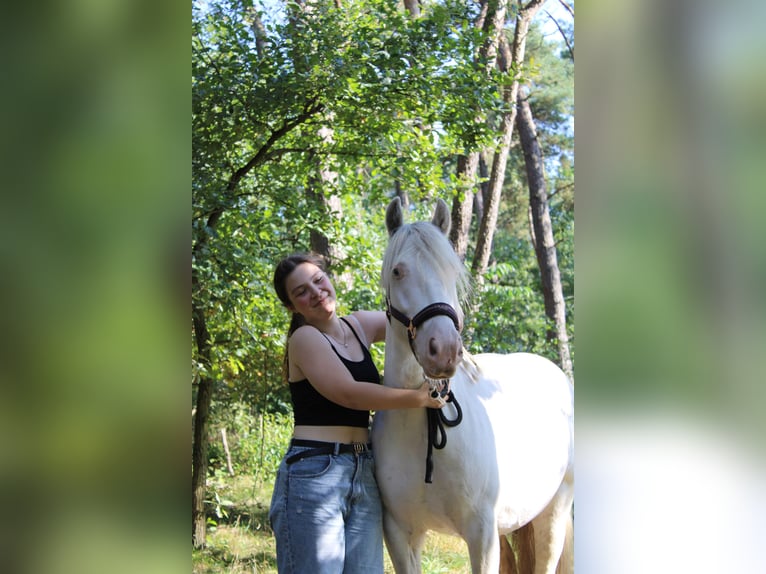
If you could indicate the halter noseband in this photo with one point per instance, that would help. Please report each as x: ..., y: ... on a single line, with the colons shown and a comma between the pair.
x: 432, y: 310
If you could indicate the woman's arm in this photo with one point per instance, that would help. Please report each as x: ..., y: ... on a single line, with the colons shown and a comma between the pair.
x: 312, y: 354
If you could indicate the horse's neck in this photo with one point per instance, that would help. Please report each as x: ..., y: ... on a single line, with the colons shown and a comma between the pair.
x: 401, y: 368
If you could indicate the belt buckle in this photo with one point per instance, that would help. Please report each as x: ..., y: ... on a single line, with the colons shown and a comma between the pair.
x: 359, y: 447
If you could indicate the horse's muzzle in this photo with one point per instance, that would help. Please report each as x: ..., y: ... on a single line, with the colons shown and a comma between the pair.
x: 441, y: 358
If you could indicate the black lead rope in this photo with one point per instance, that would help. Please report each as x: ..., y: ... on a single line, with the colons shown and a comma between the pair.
x: 437, y: 438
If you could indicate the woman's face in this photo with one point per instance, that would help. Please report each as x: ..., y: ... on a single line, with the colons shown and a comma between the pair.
x: 311, y: 292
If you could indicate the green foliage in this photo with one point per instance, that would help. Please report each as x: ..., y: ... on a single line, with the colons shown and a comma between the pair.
x: 398, y: 95
x: 257, y: 441
x: 401, y: 98
x: 517, y: 319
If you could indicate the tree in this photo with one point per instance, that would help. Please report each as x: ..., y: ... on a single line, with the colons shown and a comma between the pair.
x: 215, y: 134
x: 542, y: 234
x: 511, y: 63
x: 491, y: 19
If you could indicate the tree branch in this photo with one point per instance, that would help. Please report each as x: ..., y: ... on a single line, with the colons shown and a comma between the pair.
x: 312, y: 107
x: 568, y: 7
x: 329, y: 152
x: 563, y: 35
x: 562, y: 188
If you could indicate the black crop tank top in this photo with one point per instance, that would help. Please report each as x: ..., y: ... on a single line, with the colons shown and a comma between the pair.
x: 311, y: 408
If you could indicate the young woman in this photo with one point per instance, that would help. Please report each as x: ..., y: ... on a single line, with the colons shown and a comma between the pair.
x: 326, y: 510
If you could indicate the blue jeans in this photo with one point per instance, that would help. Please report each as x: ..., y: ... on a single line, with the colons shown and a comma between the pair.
x: 326, y: 515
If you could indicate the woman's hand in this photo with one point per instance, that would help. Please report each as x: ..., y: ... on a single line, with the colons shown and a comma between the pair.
x: 430, y: 397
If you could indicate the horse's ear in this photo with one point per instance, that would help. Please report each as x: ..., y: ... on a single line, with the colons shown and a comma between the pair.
x: 394, y: 218
x: 441, y: 216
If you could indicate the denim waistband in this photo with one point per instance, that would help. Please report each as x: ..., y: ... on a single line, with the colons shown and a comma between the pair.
x: 318, y: 448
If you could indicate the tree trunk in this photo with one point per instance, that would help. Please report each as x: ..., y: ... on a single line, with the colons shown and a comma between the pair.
x: 463, y: 209
x: 481, y: 198
x: 299, y: 17
x: 510, y: 62
x: 199, y: 447
x: 329, y: 205
x: 320, y: 243
x: 259, y: 31
x: 545, y: 246
x: 491, y: 19
x: 413, y: 7
x: 402, y: 194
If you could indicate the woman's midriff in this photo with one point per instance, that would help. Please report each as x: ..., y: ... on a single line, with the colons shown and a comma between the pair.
x: 331, y: 434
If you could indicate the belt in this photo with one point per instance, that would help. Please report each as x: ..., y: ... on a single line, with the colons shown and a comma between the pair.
x: 320, y: 448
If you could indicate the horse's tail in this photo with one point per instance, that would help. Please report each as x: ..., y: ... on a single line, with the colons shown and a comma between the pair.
x: 523, y: 543
x: 518, y: 558
x: 507, y: 558
x: 566, y: 561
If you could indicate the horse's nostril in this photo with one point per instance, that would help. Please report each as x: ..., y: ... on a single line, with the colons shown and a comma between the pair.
x: 433, y: 347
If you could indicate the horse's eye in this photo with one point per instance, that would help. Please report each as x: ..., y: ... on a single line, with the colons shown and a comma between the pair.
x: 396, y: 272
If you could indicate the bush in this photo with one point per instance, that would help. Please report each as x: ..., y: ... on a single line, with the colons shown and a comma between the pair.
x: 257, y: 441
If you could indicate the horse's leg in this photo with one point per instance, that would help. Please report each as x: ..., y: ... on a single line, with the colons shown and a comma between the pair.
x: 550, y: 528
x: 403, y: 548
x: 483, y: 545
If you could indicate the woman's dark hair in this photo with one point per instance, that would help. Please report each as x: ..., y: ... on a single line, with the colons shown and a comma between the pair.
x: 281, y: 272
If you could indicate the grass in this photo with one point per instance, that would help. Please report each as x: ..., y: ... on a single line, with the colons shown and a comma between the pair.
x: 240, y: 540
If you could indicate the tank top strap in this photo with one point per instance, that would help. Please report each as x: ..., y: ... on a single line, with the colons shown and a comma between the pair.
x: 365, y: 351
x: 364, y: 347
x: 331, y: 345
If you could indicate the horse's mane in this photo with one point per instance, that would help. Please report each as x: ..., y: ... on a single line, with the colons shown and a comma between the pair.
x: 423, y: 241
x: 470, y: 367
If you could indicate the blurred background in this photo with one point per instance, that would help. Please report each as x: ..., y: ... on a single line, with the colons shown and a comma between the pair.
x: 670, y: 266
x: 671, y: 275
x: 95, y: 287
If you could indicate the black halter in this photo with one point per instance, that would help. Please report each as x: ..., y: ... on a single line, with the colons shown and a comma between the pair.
x: 432, y: 310
x: 436, y: 420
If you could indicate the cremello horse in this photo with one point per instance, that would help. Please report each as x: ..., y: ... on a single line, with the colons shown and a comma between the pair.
x: 509, y: 463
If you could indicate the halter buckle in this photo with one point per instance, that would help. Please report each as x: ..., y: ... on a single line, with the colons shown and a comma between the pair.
x: 412, y: 330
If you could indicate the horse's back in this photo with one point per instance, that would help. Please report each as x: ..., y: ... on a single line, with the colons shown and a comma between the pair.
x: 529, y: 401
x: 526, y: 375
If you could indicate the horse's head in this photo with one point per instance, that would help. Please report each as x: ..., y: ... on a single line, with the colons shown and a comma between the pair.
x: 423, y: 279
